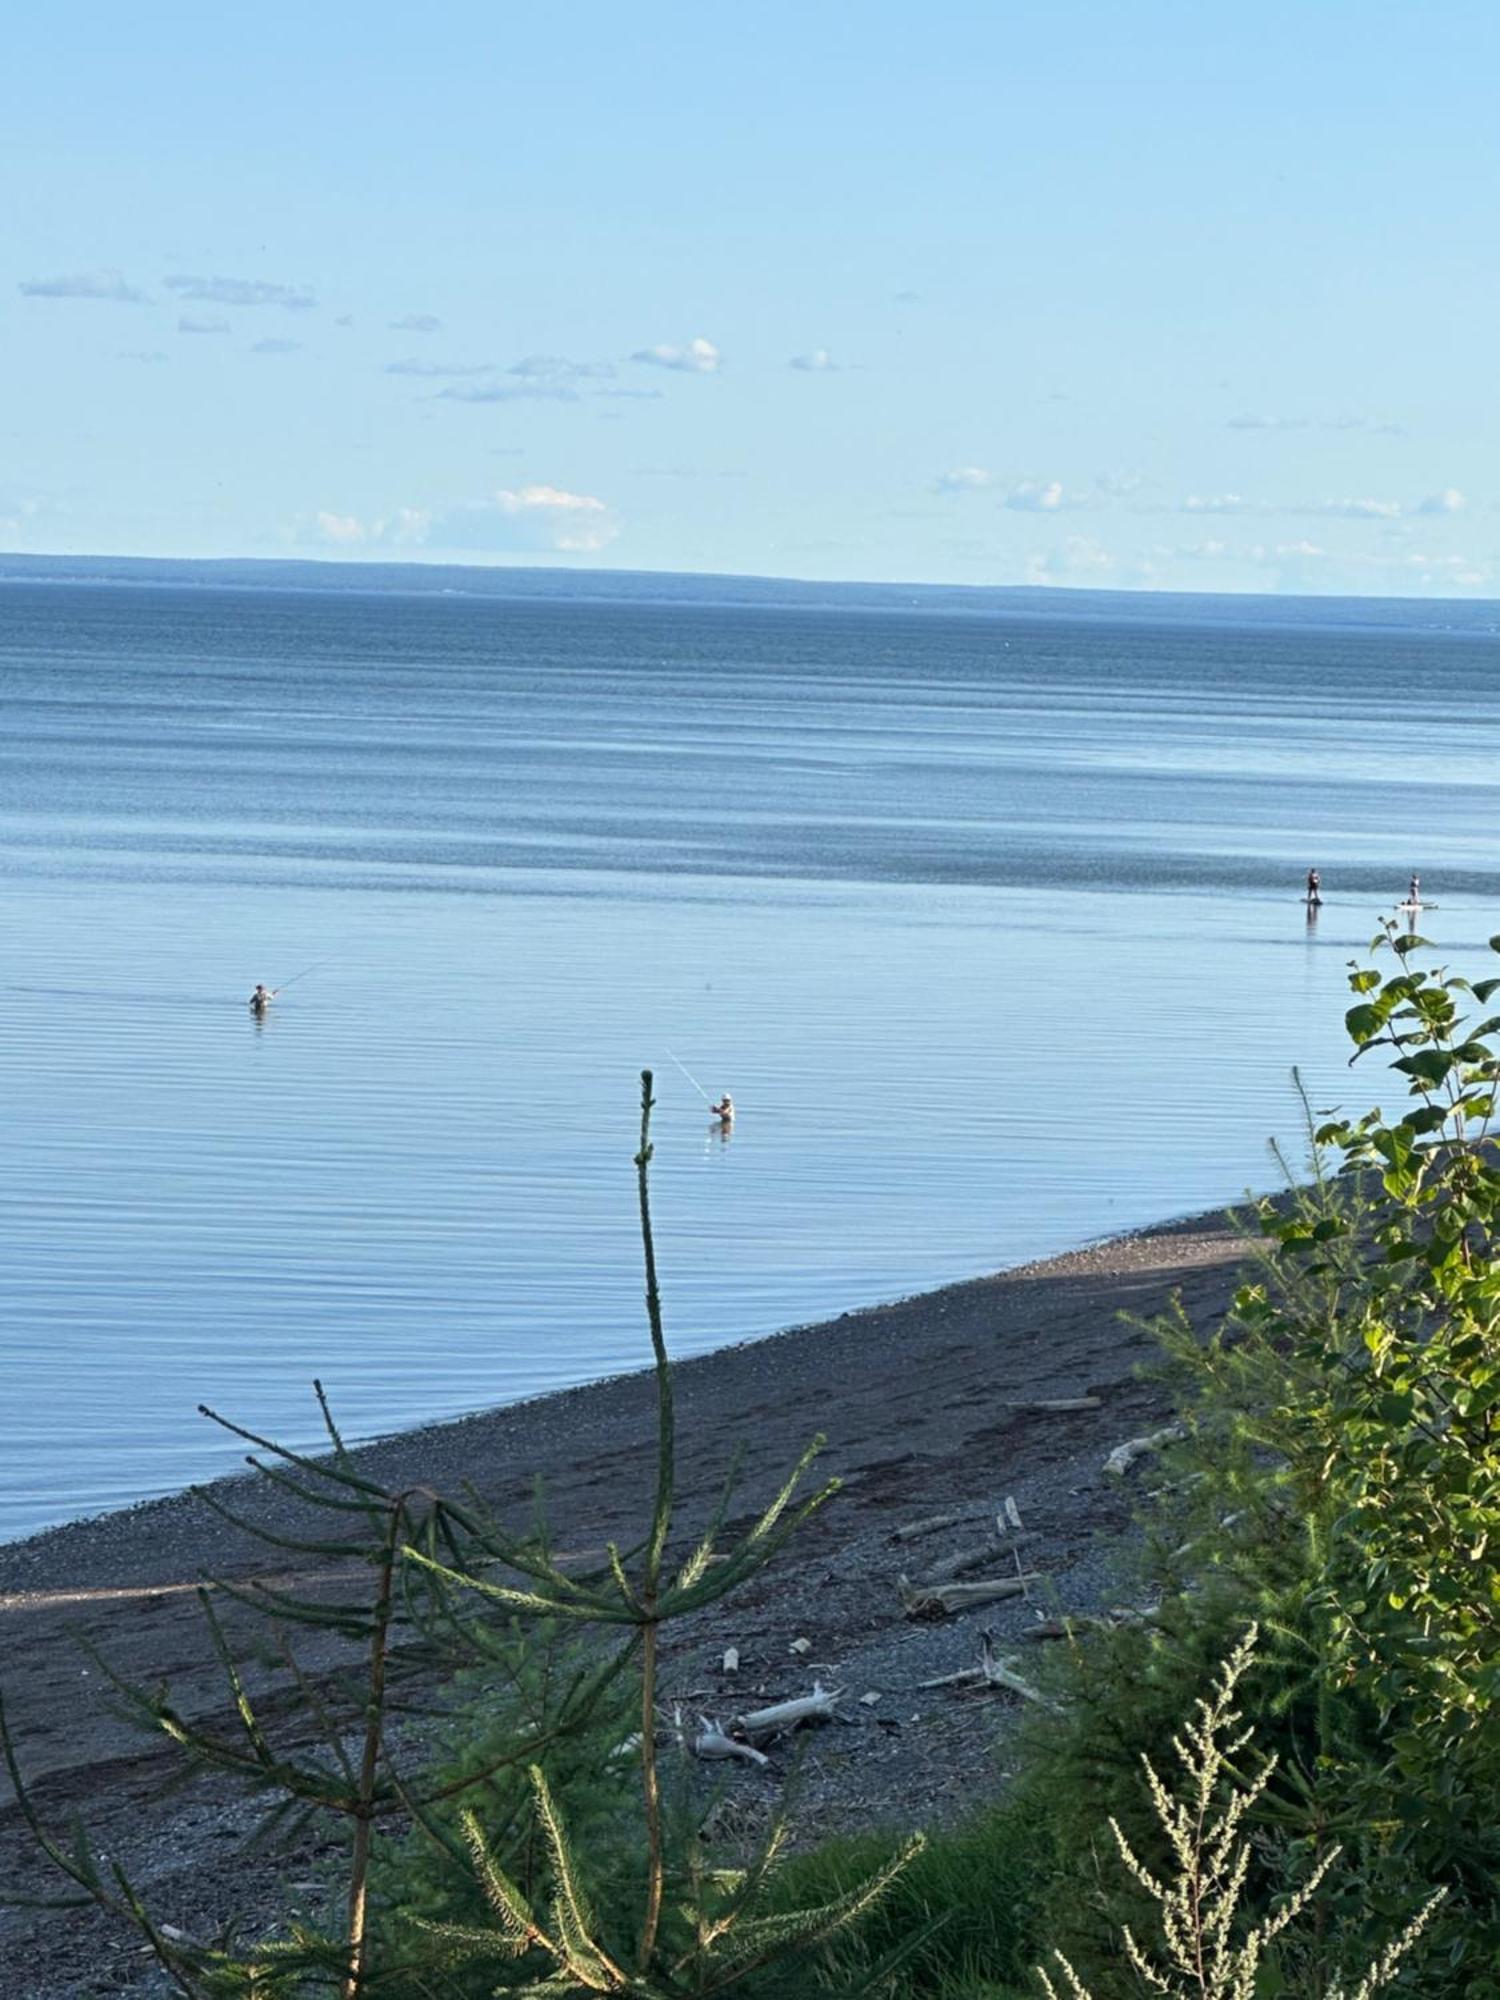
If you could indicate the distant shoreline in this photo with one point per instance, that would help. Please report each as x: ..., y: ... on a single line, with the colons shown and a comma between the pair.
x: 1479, y: 617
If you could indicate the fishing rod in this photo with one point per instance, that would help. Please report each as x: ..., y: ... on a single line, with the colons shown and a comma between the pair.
x: 693, y: 1081
x: 303, y: 974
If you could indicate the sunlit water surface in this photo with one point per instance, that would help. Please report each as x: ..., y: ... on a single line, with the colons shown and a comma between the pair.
x: 992, y: 924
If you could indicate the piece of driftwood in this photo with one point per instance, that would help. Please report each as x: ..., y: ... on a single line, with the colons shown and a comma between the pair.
x: 1061, y: 1404
x: 1125, y: 1455
x: 710, y: 1739
x: 952, y: 1566
x: 1002, y: 1674
x: 1009, y: 1516
x: 928, y: 1526
x: 1091, y: 1621
x: 992, y: 1671
x: 942, y: 1600
x: 761, y: 1724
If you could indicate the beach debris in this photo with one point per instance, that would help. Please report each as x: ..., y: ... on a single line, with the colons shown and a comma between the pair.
x: 711, y: 1740
x: 942, y: 1600
x: 870, y: 1700
x: 731, y: 1659
x: 1125, y: 1455
x: 1061, y: 1404
x: 785, y: 1716
x: 1091, y: 1621
x: 955, y: 1565
x: 1008, y: 1517
x: 928, y: 1526
x: 992, y: 1672
x: 801, y: 1647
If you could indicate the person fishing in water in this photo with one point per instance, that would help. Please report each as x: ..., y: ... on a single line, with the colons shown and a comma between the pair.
x: 262, y: 997
x: 723, y: 1110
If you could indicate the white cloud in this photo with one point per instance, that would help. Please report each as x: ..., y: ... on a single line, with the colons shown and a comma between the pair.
x: 699, y: 357
x: 405, y: 527
x: 500, y: 392
x: 148, y: 354
x: 534, y: 519
x: 1078, y: 560
x: 187, y: 324
x: 345, y: 529
x: 557, y: 368
x: 1218, y: 503
x: 576, y: 520
x: 1361, y: 510
x: 1118, y: 485
x: 416, y: 323
x: 962, y: 479
x: 633, y: 395
x: 1209, y: 551
x: 1305, y: 565
x: 1356, y: 508
x: 439, y: 368
x: 242, y: 292
x: 530, y: 517
x: 1267, y: 424
x: 818, y: 362
x: 1037, y: 496
x: 110, y: 286
x: 344, y: 319
x: 1378, y: 427
x: 16, y: 515
x: 276, y: 347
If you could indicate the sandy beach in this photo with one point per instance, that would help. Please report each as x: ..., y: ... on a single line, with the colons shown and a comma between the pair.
x: 927, y: 1405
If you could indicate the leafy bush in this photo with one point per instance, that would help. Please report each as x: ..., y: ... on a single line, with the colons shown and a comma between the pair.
x: 1205, y: 1950
x: 1340, y: 1482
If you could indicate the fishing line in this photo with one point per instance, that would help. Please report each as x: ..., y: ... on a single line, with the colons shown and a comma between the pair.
x: 693, y: 1081
x: 303, y: 974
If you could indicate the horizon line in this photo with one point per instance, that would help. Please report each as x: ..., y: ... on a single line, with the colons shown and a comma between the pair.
x: 594, y: 574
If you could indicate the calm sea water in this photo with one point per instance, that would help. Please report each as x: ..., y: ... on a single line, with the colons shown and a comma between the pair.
x: 991, y: 922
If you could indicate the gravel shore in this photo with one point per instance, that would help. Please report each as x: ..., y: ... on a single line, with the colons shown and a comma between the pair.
x: 928, y: 1407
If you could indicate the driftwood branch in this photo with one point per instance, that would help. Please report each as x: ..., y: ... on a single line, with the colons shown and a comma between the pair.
x: 928, y: 1525
x: 992, y: 1671
x: 710, y: 1739
x: 952, y: 1566
x: 1091, y: 1621
x: 761, y: 1724
x: 1125, y: 1455
x: 941, y: 1600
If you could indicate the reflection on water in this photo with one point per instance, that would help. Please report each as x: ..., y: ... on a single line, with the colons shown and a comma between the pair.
x: 991, y: 928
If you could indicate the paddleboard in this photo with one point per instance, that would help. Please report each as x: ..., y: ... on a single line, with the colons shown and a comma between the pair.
x: 1417, y: 906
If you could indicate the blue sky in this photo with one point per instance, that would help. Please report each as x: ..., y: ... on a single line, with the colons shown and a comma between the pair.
x: 1172, y: 296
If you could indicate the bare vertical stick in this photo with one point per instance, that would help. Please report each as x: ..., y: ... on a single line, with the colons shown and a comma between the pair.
x: 359, y: 1866
x: 660, y: 1525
